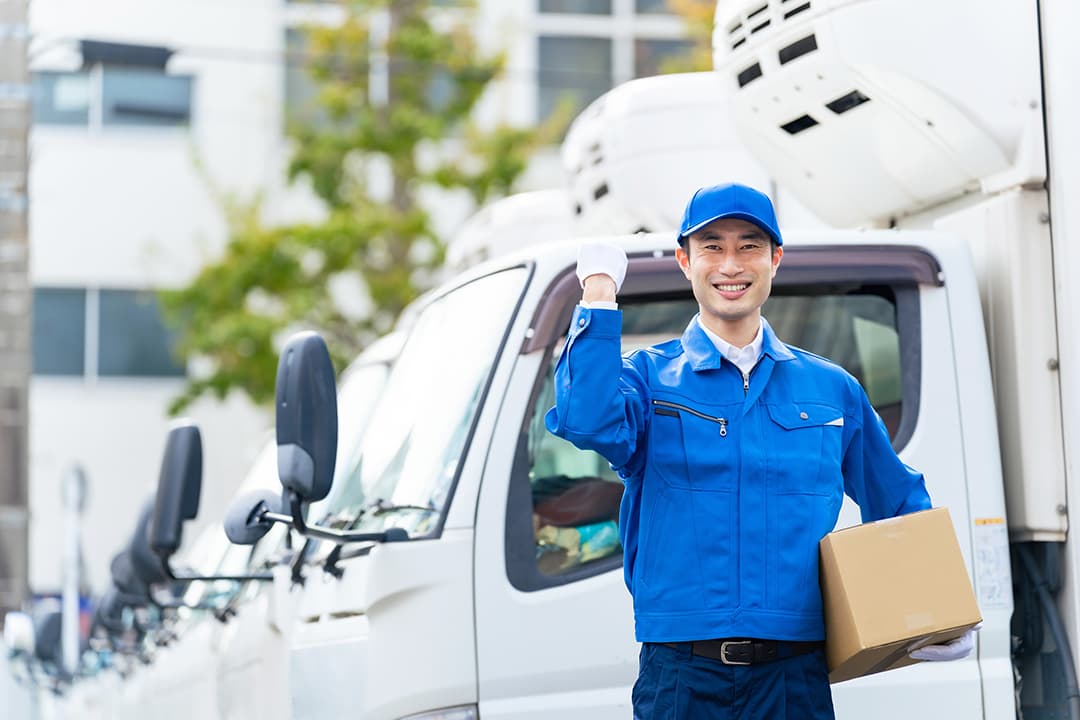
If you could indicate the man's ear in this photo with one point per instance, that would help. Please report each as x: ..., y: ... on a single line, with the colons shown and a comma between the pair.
x: 684, y: 261
x: 776, y: 259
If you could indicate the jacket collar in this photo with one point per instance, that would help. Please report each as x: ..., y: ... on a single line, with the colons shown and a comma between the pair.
x: 703, y: 355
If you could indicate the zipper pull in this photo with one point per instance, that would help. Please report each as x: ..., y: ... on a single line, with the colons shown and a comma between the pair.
x: 746, y: 383
x: 723, y: 427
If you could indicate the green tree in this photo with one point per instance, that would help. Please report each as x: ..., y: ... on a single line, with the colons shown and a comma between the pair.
x: 698, y: 16
x: 395, y: 91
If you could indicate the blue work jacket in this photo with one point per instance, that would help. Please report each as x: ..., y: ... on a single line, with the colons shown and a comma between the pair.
x: 729, y: 484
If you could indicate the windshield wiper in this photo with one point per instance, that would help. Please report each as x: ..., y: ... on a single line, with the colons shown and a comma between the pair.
x: 379, y: 506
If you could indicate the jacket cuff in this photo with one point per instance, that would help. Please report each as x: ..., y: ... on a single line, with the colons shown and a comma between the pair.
x: 599, y: 322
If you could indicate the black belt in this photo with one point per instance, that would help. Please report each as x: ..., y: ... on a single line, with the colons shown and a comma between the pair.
x: 742, y: 651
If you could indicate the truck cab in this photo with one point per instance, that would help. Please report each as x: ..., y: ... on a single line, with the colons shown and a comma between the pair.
x: 507, y: 598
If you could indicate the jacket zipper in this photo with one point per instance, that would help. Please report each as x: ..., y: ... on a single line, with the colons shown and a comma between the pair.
x: 746, y: 383
x: 675, y: 406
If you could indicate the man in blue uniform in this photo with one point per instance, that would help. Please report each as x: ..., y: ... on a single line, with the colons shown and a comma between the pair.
x: 736, y: 451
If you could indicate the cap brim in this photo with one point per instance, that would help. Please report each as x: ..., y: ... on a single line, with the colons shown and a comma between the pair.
x: 738, y: 215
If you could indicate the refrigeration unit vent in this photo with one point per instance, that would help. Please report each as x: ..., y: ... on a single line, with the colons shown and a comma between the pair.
x: 797, y: 49
x: 796, y: 10
x: 846, y: 102
x: 799, y: 124
x: 749, y: 75
x: 759, y: 17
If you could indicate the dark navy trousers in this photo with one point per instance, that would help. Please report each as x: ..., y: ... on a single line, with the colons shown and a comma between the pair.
x: 672, y: 684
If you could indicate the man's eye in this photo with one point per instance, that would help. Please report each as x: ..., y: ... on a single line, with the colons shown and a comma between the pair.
x: 751, y: 246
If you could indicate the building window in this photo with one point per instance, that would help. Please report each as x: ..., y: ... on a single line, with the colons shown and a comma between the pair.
x: 59, y: 331
x: 105, y: 96
x: 650, y: 53
x: 101, y: 333
x: 136, y: 96
x: 586, y: 47
x: 652, y: 7
x: 586, y: 7
x: 132, y: 339
x: 300, y: 89
x: 575, y: 68
x: 61, y: 98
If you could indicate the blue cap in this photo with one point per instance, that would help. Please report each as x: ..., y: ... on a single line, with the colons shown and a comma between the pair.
x: 730, y: 201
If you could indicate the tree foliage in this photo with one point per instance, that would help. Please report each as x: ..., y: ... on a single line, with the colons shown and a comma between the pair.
x: 396, y: 82
x: 698, y: 18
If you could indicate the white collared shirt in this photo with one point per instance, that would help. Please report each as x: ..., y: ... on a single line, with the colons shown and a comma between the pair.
x: 744, y: 358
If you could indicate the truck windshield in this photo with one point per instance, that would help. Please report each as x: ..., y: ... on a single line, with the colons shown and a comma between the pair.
x: 401, y: 471
x: 357, y: 395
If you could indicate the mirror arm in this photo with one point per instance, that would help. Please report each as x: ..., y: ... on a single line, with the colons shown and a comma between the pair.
x: 243, y: 577
x: 257, y: 577
x: 297, y: 568
x: 296, y: 519
x: 331, y: 565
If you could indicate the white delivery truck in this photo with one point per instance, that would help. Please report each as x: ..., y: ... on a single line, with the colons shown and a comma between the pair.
x: 495, y: 589
x: 485, y: 583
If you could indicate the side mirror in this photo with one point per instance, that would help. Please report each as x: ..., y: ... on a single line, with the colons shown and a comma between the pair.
x: 306, y: 413
x: 306, y: 408
x: 130, y: 588
x: 245, y: 520
x: 147, y: 567
x: 47, y: 638
x: 109, y: 612
x: 179, y: 486
x: 19, y: 633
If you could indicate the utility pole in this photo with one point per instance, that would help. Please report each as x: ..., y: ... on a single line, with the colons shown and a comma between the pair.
x: 15, y: 302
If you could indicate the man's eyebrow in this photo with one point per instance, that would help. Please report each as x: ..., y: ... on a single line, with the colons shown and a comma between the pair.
x: 752, y: 235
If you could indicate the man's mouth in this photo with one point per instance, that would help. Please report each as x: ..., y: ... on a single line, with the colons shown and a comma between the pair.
x: 731, y: 287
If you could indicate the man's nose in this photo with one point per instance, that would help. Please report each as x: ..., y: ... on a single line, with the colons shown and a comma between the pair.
x: 730, y: 264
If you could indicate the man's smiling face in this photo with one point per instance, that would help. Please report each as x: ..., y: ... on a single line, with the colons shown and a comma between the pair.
x: 730, y: 264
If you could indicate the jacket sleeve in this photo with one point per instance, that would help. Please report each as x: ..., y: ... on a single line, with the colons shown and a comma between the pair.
x: 874, y: 476
x: 600, y: 398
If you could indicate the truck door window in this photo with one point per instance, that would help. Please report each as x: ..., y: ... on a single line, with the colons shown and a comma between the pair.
x: 563, y: 509
x: 856, y: 330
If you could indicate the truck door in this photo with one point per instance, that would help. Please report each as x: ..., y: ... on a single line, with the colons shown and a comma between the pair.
x: 554, y: 619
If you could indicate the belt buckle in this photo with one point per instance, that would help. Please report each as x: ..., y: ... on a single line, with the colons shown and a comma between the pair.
x: 733, y: 643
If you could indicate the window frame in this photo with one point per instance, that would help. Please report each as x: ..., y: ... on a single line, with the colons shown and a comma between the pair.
x: 903, y: 269
x: 91, y: 341
x: 96, y: 121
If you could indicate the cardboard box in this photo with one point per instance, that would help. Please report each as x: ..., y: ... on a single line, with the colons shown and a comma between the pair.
x: 891, y: 584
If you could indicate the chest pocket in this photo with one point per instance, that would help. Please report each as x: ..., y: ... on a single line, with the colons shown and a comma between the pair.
x: 806, y: 448
x: 692, y: 447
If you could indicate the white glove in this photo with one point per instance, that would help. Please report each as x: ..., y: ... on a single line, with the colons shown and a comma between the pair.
x: 596, y: 258
x: 956, y: 649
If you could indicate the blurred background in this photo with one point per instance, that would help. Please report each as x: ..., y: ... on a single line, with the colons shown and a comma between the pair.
x: 221, y: 151
x: 182, y: 184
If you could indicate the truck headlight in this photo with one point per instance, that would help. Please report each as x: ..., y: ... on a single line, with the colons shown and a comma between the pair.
x: 461, y: 712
